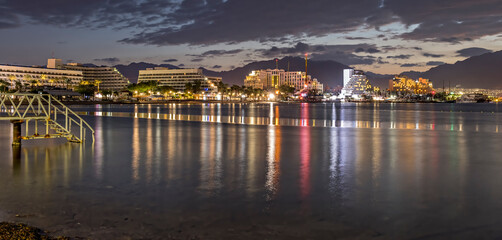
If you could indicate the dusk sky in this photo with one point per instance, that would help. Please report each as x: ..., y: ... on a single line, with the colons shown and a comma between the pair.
x: 383, y: 36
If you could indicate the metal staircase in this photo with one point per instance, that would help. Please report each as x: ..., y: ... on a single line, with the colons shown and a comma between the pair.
x: 44, y: 117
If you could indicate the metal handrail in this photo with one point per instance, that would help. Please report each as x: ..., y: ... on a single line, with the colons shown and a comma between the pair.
x: 72, y: 112
x: 44, y: 111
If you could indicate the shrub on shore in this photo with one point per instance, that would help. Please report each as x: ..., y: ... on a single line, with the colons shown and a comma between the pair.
x: 23, y: 231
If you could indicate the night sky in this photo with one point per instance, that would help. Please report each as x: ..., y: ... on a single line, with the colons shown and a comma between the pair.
x: 383, y: 36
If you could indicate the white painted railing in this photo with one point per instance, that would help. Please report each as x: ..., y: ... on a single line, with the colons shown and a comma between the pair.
x: 44, y: 107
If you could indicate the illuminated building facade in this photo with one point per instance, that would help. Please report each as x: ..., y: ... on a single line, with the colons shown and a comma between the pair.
x: 110, y: 78
x: 253, y: 80
x: 39, y: 76
x: 406, y: 85
x: 357, y: 85
x: 274, y: 78
x: 347, y: 74
x: 178, y: 78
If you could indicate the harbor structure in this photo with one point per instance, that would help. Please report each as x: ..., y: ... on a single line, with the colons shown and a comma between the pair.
x: 274, y: 78
x: 178, y: 78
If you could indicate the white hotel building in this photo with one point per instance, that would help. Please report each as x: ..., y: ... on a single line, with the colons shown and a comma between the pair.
x: 57, y: 74
x: 110, y: 77
x: 178, y: 78
x: 27, y: 76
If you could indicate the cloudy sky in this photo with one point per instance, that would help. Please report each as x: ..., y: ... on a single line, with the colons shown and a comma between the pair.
x: 383, y: 36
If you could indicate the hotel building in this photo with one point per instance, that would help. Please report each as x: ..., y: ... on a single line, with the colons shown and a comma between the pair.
x: 355, y: 83
x: 110, y: 77
x: 273, y: 78
x: 29, y: 76
x: 404, y: 84
x: 178, y: 78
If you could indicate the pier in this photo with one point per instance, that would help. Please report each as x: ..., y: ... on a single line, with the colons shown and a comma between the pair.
x: 43, y: 117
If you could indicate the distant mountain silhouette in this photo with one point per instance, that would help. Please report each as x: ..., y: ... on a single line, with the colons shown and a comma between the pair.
x: 484, y: 71
x: 327, y: 72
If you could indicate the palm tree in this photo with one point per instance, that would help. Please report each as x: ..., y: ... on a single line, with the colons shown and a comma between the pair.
x: 3, y: 85
x: 27, y: 78
x: 222, y: 87
x: 236, y: 89
x: 19, y: 85
x: 12, y: 78
x: 33, y: 83
x: 43, y: 78
x: 97, y: 82
x: 67, y: 81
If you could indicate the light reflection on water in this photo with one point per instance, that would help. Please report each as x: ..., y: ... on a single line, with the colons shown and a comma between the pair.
x: 334, y: 115
x: 407, y: 176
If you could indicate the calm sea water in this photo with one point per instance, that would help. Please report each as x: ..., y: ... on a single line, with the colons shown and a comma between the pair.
x: 256, y: 171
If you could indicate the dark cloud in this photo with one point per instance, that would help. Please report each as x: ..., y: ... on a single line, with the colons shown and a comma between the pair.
x: 381, y: 61
x: 368, y: 50
x: 170, y: 60
x: 90, y: 13
x: 197, y: 60
x: 7, y: 19
x: 110, y: 60
x: 417, y: 48
x: 402, y: 56
x: 346, y: 54
x: 434, y: 63
x: 181, y: 65
x: 235, y: 21
x: 217, y: 66
x: 388, y: 48
x: 410, y: 65
x: 452, y: 40
x: 299, y: 48
x: 451, y: 21
x: 471, y: 52
x: 217, y: 53
x: 431, y: 55
x: 357, y: 38
x: 206, y: 22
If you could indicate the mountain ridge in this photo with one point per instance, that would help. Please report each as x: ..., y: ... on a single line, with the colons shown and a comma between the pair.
x: 481, y: 71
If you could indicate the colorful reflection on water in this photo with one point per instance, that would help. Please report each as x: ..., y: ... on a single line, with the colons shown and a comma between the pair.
x: 401, y: 173
x: 320, y: 115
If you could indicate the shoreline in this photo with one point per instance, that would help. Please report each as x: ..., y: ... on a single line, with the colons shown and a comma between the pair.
x: 259, y: 102
x: 192, y: 101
